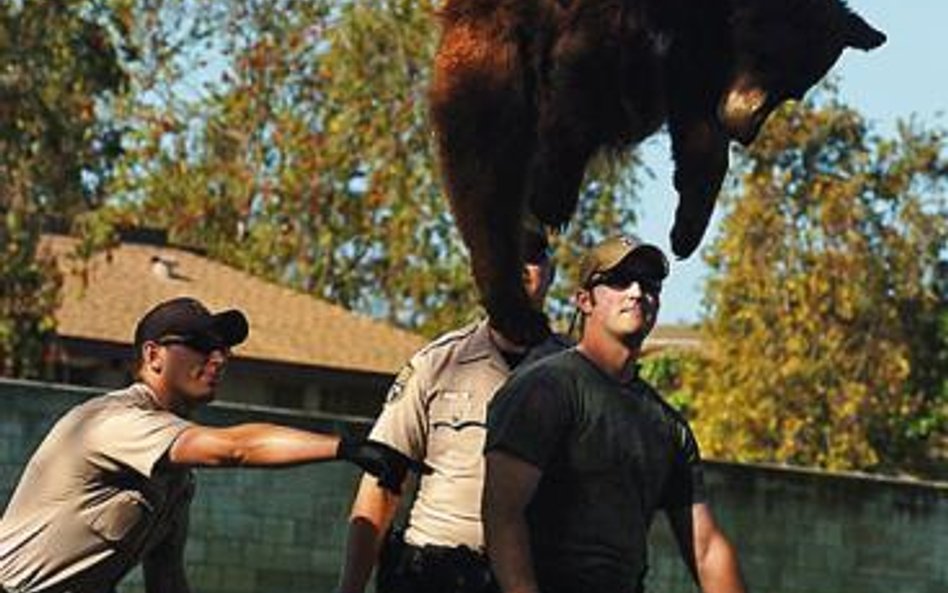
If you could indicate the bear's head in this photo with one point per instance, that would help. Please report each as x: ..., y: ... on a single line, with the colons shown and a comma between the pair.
x: 771, y: 51
x: 781, y: 48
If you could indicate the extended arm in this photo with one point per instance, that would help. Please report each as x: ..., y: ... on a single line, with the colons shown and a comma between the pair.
x: 706, y: 550
x: 508, y: 488
x: 270, y: 445
x: 372, y: 512
x: 251, y: 445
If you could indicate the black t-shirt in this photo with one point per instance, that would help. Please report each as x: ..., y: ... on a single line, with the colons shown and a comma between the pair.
x: 611, y: 455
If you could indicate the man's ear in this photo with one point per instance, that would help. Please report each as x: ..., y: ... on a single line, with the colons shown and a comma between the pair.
x: 584, y: 300
x: 153, y: 357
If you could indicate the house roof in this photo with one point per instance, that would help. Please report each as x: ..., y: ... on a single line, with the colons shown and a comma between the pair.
x: 674, y: 337
x: 285, y: 325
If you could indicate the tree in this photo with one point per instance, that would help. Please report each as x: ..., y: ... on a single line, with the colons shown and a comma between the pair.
x: 825, y: 339
x: 310, y: 162
x: 29, y: 290
x: 59, y: 68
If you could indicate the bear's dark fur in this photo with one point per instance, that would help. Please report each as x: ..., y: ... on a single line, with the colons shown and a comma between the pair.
x: 525, y: 91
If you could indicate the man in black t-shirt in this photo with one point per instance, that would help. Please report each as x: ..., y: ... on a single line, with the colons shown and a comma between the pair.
x: 581, y: 452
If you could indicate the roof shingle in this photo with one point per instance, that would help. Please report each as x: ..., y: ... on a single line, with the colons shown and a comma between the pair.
x: 285, y: 325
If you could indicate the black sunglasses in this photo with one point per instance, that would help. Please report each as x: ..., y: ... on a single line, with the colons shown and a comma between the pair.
x: 199, y: 343
x: 622, y: 277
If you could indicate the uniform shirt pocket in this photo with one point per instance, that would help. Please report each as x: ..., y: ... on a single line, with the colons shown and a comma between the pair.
x: 456, y: 433
x: 123, y: 520
x: 455, y: 410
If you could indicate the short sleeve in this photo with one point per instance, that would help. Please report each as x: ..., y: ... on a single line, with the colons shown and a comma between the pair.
x: 685, y: 486
x: 529, y: 417
x: 402, y: 423
x: 133, y: 437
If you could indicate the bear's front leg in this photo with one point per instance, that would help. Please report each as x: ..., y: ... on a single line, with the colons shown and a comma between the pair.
x: 484, y: 117
x: 699, y: 143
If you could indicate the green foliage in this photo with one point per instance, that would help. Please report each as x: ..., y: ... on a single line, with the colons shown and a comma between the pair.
x: 29, y: 291
x: 59, y: 69
x: 665, y: 372
x: 309, y: 162
x: 825, y: 337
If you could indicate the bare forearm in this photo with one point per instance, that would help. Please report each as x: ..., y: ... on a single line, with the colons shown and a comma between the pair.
x: 508, y: 545
x: 362, y: 547
x: 268, y: 444
x: 372, y: 514
x: 253, y: 445
x: 706, y: 550
x: 719, y: 570
x: 509, y: 485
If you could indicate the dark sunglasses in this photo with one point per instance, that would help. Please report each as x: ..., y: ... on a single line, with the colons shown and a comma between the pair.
x: 199, y: 343
x: 622, y: 277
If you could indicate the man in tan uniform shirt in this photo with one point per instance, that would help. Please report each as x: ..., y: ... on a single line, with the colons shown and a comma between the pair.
x: 110, y: 486
x: 436, y: 412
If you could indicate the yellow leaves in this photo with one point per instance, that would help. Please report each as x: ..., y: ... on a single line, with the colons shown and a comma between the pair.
x: 821, y: 291
x: 792, y: 365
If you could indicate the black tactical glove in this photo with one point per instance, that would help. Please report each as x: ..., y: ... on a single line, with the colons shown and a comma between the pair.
x: 389, y: 465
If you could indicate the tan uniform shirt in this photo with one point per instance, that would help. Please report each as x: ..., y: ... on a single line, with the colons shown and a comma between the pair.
x: 91, y: 501
x: 437, y: 411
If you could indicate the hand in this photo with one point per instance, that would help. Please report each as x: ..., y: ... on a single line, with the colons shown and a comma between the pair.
x: 386, y: 463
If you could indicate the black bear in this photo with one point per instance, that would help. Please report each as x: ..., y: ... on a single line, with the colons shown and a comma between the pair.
x: 524, y: 92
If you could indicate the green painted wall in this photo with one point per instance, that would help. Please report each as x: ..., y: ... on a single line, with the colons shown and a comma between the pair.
x: 283, y: 530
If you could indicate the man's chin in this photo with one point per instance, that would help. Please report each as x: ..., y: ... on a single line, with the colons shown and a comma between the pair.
x: 207, y: 395
x: 210, y: 383
x: 634, y: 340
x: 636, y: 337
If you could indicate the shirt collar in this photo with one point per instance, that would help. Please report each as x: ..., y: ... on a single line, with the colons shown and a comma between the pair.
x: 146, y: 394
x: 480, y: 346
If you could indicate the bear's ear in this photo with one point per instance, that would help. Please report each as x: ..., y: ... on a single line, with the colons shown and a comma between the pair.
x: 860, y: 34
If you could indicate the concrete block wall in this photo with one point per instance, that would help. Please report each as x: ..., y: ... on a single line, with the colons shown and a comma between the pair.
x: 803, y: 531
x: 797, y: 531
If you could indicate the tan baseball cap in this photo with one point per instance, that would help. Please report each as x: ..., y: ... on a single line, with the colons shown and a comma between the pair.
x: 608, y: 254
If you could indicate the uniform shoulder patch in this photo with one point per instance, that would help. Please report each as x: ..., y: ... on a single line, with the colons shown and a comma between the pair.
x: 448, y: 339
x: 398, y: 386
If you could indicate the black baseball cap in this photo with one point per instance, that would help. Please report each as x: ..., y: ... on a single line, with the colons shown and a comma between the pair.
x: 188, y: 318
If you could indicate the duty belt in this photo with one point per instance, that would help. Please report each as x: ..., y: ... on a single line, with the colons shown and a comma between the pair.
x: 406, y: 568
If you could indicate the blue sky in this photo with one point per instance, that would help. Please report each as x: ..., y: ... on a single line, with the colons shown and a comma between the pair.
x: 905, y: 76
